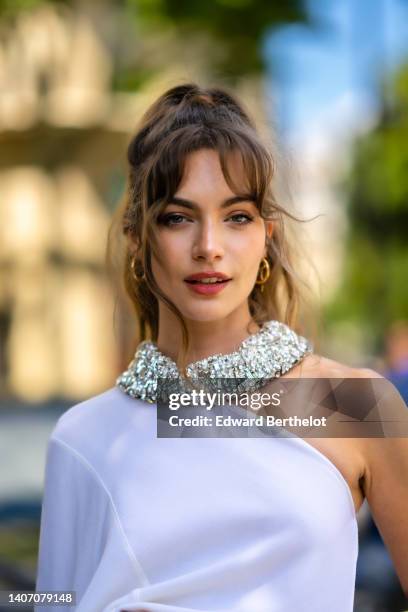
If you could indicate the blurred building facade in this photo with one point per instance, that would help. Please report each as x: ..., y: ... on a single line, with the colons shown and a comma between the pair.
x: 63, y: 139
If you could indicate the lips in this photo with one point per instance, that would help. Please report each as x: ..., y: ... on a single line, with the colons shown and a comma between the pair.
x: 208, y: 282
x: 207, y: 277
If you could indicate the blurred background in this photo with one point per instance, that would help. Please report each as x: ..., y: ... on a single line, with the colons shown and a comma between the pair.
x: 327, y: 79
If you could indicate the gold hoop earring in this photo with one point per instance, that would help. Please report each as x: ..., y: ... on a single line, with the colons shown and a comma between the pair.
x: 265, y: 272
x: 137, y: 278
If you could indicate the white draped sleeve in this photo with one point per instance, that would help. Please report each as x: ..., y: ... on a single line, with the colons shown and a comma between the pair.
x: 82, y: 545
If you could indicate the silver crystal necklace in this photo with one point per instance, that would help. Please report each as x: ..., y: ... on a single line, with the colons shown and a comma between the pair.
x: 273, y: 350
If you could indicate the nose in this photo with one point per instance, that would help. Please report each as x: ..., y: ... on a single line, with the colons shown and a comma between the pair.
x: 208, y: 244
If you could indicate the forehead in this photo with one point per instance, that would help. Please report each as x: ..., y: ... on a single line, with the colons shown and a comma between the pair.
x: 203, y: 171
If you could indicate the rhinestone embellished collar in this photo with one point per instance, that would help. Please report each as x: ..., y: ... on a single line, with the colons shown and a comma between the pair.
x: 270, y: 352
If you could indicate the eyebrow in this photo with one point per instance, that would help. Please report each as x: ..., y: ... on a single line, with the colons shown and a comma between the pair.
x: 228, y: 202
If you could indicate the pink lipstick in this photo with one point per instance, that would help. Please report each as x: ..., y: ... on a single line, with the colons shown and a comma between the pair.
x: 207, y: 283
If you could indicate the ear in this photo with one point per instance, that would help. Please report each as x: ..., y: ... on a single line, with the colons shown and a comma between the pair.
x: 269, y: 227
x: 133, y: 245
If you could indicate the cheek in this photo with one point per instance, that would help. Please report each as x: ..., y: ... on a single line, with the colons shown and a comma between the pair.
x: 173, y: 245
x: 170, y: 253
x: 248, y: 249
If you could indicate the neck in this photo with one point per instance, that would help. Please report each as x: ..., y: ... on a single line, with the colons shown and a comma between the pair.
x: 206, y: 337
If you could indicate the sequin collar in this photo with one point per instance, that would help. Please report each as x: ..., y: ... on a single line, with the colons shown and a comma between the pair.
x: 271, y: 351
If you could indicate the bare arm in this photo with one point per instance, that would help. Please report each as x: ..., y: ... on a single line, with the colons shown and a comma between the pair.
x: 386, y: 484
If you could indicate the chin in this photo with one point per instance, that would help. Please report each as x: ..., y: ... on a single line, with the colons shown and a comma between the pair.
x: 206, y: 313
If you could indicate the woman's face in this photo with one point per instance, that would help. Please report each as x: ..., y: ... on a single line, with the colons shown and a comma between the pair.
x: 206, y: 228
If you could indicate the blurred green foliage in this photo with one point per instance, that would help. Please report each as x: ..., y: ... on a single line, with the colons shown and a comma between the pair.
x: 10, y: 8
x: 237, y: 25
x: 374, y: 291
x: 235, y: 28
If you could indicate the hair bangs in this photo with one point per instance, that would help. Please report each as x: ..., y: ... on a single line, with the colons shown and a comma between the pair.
x: 246, y: 165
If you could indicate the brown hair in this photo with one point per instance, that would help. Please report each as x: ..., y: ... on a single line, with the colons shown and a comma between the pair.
x: 184, y: 119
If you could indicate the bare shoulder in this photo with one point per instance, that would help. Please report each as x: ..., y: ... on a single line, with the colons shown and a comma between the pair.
x: 379, y: 458
x: 317, y: 366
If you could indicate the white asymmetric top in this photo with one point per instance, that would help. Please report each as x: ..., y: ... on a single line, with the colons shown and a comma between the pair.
x: 133, y: 523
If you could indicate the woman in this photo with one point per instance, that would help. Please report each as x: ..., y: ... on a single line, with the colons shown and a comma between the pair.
x: 135, y: 522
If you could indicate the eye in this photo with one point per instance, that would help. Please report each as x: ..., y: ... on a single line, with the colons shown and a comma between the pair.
x: 171, y: 219
x: 247, y: 218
